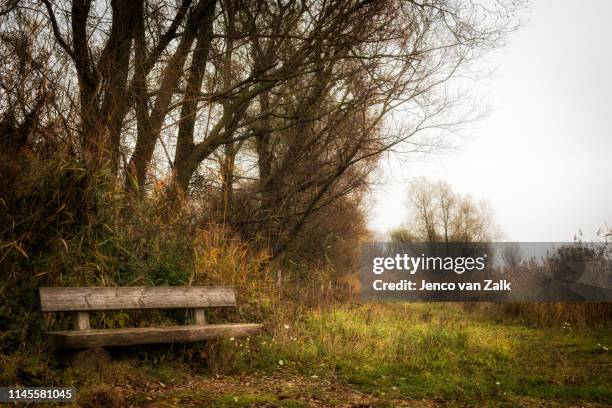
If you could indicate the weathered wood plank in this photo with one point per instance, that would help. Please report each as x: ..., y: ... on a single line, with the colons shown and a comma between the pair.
x: 80, y: 320
x: 149, y: 335
x: 149, y: 297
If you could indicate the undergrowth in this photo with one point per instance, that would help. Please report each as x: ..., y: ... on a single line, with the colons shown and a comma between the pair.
x: 436, y: 352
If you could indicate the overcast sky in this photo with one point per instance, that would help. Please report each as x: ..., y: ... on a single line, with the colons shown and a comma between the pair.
x: 542, y: 158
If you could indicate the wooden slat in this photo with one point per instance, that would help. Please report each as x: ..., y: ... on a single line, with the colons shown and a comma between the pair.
x: 141, y: 297
x: 149, y: 335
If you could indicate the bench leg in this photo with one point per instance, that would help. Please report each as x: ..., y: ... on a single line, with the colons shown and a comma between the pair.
x: 80, y: 320
x: 198, y: 317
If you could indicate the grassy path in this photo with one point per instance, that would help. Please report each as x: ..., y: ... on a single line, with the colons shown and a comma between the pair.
x: 417, y: 355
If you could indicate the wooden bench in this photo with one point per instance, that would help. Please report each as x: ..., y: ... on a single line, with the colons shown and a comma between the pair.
x: 81, y: 300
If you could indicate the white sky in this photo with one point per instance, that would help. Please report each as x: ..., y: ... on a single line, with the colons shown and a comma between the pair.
x: 542, y: 158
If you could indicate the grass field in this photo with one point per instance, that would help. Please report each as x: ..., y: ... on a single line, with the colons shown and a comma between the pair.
x: 372, y: 355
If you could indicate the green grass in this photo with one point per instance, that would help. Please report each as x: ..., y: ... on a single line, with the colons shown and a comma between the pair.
x: 437, y: 351
x: 378, y: 353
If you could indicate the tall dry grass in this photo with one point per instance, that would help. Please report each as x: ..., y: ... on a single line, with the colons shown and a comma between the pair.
x: 561, y: 314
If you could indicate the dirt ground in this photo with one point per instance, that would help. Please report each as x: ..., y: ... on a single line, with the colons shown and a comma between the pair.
x: 283, y: 390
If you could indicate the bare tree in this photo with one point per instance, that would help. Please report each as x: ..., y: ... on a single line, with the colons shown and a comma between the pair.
x: 282, y: 107
x: 511, y: 255
x: 438, y: 214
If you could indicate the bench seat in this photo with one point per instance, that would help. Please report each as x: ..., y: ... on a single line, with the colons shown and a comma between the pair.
x: 74, y: 339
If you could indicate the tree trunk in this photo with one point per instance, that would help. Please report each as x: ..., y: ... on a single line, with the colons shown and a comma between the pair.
x: 263, y: 144
x: 227, y: 170
x: 189, y: 107
x: 147, y: 139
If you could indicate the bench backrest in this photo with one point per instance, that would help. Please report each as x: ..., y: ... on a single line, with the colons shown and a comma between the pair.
x: 138, y: 297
